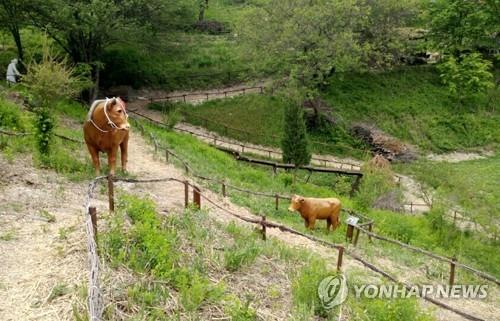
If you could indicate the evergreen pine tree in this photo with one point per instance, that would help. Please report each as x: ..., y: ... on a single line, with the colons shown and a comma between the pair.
x: 294, y: 143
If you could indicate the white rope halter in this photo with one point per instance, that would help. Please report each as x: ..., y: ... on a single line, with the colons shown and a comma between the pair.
x: 110, y: 122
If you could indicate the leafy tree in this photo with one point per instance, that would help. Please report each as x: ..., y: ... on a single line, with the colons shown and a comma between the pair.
x: 467, y: 75
x: 49, y: 81
x: 294, y: 143
x: 457, y: 26
x: 316, y: 38
x: 85, y: 28
x: 12, y: 18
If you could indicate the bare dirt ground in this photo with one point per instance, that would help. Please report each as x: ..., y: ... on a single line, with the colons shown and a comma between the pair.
x: 456, y: 157
x: 42, y: 242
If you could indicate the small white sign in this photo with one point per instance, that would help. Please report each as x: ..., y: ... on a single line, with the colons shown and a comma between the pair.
x: 352, y: 220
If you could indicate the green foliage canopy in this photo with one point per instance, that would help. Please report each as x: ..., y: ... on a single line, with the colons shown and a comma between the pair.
x: 319, y: 37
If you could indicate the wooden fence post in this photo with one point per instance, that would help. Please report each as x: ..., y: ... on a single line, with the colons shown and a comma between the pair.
x: 186, y: 193
x: 184, y: 97
x: 263, y: 223
x: 111, y: 194
x: 224, y: 188
x: 454, y: 217
x: 93, y: 218
x: 452, y: 271
x: 370, y: 226
x: 166, y: 155
x: 196, y: 197
x: 349, y: 233
x: 356, y: 237
x: 277, y: 200
x: 339, y: 258
x: 411, y: 207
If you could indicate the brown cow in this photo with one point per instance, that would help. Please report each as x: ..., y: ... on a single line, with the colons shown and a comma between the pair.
x: 105, y: 129
x: 312, y: 209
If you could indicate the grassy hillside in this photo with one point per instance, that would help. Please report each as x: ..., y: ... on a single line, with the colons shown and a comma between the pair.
x: 259, y: 119
x: 430, y: 232
x: 414, y: 106
x: 222, y: 271
x: 410, y: 103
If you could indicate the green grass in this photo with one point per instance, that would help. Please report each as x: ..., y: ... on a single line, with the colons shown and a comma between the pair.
x: 188, y: 271
x: 62, y: 158
x: 412, y: 104
x: 409, y: 103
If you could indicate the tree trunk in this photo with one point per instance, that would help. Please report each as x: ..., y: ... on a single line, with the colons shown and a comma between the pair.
x: 95, y: 90
x: 14, y: 30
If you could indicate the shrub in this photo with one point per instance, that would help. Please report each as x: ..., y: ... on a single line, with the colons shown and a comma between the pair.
x: 468, y: 75
x: 377, y: 184
x: 49, y: 81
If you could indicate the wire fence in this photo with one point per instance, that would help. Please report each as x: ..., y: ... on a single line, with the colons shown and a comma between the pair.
x: 270, y: 139
x: 356, y: 228
x: 95, y: 299
x: 198, y: 195
x: 205, y: 96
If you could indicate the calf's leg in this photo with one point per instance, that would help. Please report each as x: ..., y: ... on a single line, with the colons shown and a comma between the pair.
x: 94, y: 154
x: 328, y: 224
x: 124, y: 153
x: 112, y: 160
x: 312, y: 221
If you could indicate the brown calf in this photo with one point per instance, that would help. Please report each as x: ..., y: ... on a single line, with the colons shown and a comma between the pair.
x: 106, y: 129
x: 312, y: 209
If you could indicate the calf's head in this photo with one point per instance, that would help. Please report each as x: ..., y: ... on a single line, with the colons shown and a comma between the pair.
x: 296, y: 203
x: 117, y: 113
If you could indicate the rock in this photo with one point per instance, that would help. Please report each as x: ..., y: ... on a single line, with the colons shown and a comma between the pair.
x: 384, y: 144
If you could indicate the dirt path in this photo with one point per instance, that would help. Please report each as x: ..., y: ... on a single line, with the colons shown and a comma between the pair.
x: 42, y: 243
x: 199, y: 96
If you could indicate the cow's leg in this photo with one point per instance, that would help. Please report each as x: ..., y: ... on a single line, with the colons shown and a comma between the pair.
x: 94, y: 154
x: 112, y: 160
x: 124, y: 153
x: 306, y: 222
x: 312, y: 222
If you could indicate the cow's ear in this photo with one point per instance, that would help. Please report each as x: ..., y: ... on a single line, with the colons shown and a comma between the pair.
x: 302, y: 200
